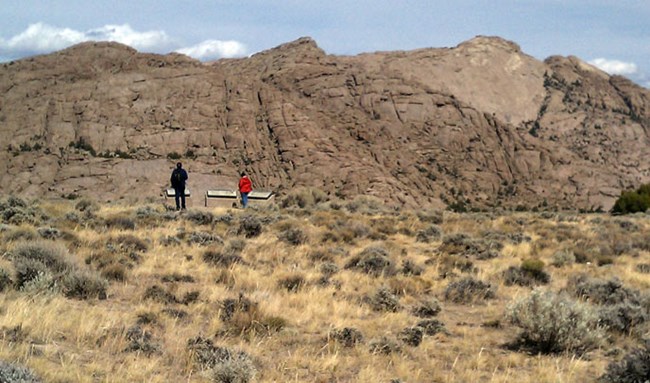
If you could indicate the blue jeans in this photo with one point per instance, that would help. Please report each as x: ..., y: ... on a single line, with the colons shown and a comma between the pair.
x: 179, y: 196
x: 244, y: 199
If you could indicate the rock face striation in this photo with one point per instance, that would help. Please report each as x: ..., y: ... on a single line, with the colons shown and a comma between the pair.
x: 478, y: 125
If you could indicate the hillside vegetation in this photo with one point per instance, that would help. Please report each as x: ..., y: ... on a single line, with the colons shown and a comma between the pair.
x: 319, y: 290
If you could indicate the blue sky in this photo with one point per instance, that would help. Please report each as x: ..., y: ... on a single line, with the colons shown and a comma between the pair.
x: 613, y: 35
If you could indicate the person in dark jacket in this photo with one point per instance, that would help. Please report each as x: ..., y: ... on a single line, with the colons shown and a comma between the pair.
x: 245, y: 187
x: 178, y: 178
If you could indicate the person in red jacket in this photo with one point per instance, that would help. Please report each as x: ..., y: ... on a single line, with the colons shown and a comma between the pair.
x: 245, y: 187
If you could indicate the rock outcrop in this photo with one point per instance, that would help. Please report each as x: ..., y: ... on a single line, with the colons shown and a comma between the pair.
x: 481, y: 124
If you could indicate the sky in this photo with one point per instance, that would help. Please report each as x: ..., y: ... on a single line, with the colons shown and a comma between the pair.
x: 612, y: 35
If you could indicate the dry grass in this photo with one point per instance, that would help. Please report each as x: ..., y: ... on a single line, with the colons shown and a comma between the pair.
x: 278, y: 309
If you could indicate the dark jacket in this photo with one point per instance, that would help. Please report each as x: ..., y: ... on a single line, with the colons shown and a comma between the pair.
x: 178, y: 178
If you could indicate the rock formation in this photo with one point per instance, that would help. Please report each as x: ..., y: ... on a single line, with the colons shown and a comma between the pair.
x: 478, y: 125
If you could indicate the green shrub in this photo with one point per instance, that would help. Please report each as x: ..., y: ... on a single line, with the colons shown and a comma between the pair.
x: 384, y: 345
x: 293, y: 235
x: 141, y: 341
x: 44, y: 266
x: 82, y: 144
x: 274, y: 323
x: 149, y: 214
x: 52, y: 255
x: 199, y: 217
x: 128, y: 243
x: 292, y: 283
x: 175, y: 313
x: 224, y: 258
x: 231, y: 307
x: 15, y: 211
x: 530, y: 273
x: 14, y: 201
x: 432, y: 326
x: 448, y: 264
x: 411, y: 268
x: 469, y: 290
x: 623, y: 317
x: 227, y: 366
x: 86, y: 205
x: 643, y: 268
x: 346, y: 231
x: 203, y: 238
x: 347, y: 336
x: 34, y: 278
x: 366, y: 205
x: 554, y: 323
x: 619, y: 308
x: 160, y: 295
x: 5, y: 280
x: 12, y: 373
x: 532, y: 265
x: 428, y: 308
x: 205, y: 354
x: 190, y: 297
x: 177, y: 277
x: 563, y: 257
x: 412, y: 336
x: 599, y: 291
x: 430, y: 234
x: 250, y: 226
x: 384, y: 300
x: 302, y: 198
x: 147, y: 318
x: 28, y: 270
x: 328, y: 268
x: 84, y: 284
x: 463, y: 244
x: 373, y: 260
x: 170, y: 240
x: 634, y: 368
x: 120, y: 222
x: 49, y: 232
x: 114, y: 272
x: 633, y: 201
x: 234, y: 370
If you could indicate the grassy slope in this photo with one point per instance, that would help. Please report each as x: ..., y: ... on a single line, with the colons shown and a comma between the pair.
x: 290, y: 334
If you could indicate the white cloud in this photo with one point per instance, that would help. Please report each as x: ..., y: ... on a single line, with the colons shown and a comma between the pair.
x: 615, y: 66
x: 124, y: 34
x: 43, y: 38
x: 214, y: 49
x: 40, y: 38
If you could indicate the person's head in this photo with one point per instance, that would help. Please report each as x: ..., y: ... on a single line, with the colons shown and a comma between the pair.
x: 243, y: 173
x: 179, y: 165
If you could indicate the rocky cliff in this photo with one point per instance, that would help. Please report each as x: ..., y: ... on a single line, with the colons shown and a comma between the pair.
x: 481, y: 124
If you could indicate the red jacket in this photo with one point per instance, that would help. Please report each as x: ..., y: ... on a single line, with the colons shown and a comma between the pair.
x: 245, y: 185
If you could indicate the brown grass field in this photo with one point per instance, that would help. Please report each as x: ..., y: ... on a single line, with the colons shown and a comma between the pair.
x: 313, y: 290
